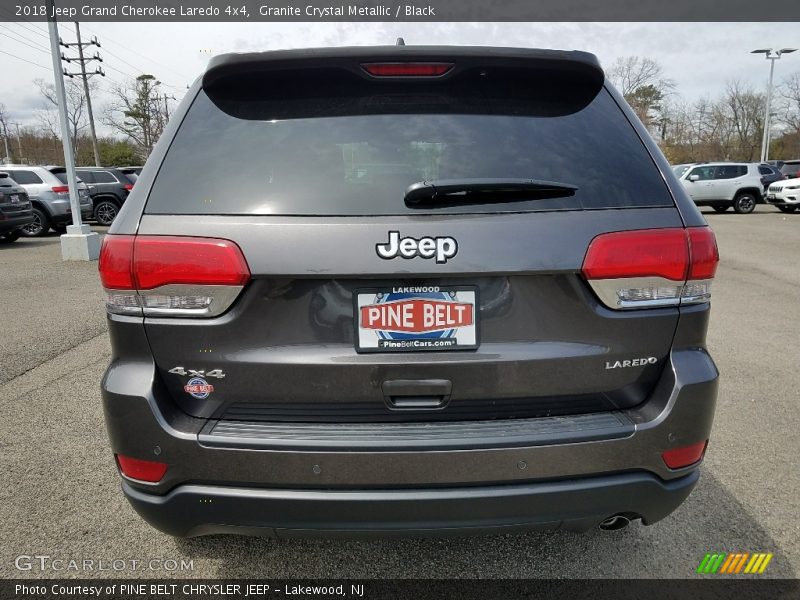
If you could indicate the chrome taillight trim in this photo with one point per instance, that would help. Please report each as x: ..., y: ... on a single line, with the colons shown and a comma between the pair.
x: 666, y: 291
x: 142, y: 302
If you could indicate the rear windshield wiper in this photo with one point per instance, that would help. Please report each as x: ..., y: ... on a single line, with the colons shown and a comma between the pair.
x: 454, y: 192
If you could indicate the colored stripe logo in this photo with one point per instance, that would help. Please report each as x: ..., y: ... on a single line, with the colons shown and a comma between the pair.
x: 734, y: 563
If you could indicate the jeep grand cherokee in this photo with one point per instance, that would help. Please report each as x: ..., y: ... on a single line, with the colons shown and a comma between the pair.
x: 365, y: 290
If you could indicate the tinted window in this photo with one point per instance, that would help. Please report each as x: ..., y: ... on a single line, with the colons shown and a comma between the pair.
x: 26, y: 177
x: 730, y: 171
x: 765, y: 171
x: 361, y: 164
x: 86, y: 176
x: 790, y: 168
x: 62, y: 175
x: 680, y: 170
x: 103, y: 177
x: 703, y: 173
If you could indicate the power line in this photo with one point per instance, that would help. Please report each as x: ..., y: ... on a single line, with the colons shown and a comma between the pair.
x: 139, y: 54
x: 25, y: 60
x: 83, y: 60
x: 134, y: 67
x: 30, y: 29
x: 25, y: 42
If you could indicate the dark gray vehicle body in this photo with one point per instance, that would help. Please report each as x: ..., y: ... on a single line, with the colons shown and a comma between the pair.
x: 15, y: 207
x: 107, y: 188
x: 302, y: 437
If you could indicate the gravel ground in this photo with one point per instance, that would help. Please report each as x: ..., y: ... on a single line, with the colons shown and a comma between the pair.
x: 61, y: 492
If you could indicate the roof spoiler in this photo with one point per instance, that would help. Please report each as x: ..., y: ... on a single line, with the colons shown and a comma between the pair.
x: 581, y: 67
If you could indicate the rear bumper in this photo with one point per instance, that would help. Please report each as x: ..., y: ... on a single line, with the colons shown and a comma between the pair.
x: 61, y: 211
x: 577, y: 505
x: 521, y: 473
x: 14, y: 222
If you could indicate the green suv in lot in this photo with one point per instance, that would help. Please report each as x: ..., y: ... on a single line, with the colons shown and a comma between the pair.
x: 402, y: 309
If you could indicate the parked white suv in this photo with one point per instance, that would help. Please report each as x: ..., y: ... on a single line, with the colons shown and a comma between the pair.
x: 723, y: 184
x: 785, y: 194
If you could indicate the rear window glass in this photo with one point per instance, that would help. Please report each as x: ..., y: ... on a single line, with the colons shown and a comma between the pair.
x: 62, y: 176
x: 103, y: 177
x: 361, y: 164
x: 790, y: 168
x: 25, y: 177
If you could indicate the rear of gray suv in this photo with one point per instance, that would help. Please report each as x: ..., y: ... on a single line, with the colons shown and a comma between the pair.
x: 48, y: 191
x: 402, y: 309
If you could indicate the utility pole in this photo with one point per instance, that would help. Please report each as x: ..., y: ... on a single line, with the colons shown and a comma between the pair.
x: 85, y: 76
x: 5, y: 140
x: 80, y: 242
x: 166, y: 107
x: 19, y: 140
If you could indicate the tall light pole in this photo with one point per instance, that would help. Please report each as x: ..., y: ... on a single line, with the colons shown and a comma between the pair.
x: 771, y: 55
x: 79, y: 243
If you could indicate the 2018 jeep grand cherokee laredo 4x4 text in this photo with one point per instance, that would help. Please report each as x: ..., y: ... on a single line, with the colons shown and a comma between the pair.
x: 402, y: 308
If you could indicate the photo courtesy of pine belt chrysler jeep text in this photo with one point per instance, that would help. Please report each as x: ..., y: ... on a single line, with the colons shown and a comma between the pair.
x: 403, y: 309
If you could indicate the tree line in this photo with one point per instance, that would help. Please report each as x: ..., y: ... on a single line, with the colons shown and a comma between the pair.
x: 136, y: 113
x: 728, y: 126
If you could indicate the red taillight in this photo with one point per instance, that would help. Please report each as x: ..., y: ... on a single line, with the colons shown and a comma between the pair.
x: 652, y: 267
x: 648, y: 253
x: 703, y: 252
x: 141, y: 470
x: 142, y: 262
x: 170, y: 275
x: 128, y: 186
x: 60, y: 189
x: 116, y: 262
x: 407, y: 69
x: 677, y: 458
x: 163, y: 260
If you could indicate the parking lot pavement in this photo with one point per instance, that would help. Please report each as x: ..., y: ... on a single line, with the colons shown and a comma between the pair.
x: 47, y: 305
x: 61, y: 492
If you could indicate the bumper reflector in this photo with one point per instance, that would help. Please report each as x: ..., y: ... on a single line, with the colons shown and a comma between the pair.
x: 677, y: 458
x: 149, y: 471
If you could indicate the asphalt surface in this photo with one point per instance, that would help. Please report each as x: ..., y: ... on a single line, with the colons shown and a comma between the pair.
x: 60, y: 495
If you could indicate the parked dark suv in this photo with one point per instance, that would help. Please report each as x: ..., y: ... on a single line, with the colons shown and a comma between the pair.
x: 402, y: 308
x: 15, y: 209
x: 108, y: 188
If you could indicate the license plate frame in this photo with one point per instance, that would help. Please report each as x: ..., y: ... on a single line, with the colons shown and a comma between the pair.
x: 439, y: 339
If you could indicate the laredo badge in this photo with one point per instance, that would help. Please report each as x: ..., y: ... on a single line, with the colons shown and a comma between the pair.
x: 198, y: 388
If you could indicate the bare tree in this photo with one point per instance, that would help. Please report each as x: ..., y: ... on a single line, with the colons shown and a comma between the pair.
x: 741, y: 109
x: 789, y: 91
x: 76, y: 108
x: 789, y: 111
x: 4, y: 130
x: 641, y: 81
x: 138, y: 112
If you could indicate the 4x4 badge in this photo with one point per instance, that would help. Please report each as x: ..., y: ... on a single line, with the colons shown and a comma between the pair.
x: 192, y: 373
x: 442, y: 248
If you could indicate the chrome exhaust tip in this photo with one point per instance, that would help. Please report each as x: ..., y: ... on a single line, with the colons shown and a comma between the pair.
x: 615, y: 522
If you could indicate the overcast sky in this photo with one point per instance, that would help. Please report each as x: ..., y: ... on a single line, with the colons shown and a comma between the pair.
x: 699, y: 57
